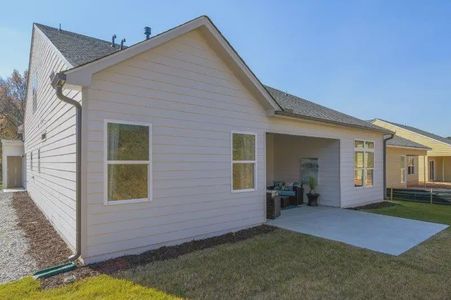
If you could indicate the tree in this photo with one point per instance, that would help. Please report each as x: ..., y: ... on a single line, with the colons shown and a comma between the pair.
x: 12, y: 103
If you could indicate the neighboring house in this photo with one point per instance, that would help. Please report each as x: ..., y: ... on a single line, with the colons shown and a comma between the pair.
x: 178, y: 140
x: 13, y: 171
x: 419, y: 156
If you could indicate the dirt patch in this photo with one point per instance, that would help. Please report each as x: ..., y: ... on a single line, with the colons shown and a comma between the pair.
x: 382, y: 204
x: 163, y: 253
x: 46, y: 246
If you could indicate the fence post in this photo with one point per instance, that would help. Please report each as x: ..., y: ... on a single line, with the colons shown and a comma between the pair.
x: 391, y: 194
x: 431, y: 195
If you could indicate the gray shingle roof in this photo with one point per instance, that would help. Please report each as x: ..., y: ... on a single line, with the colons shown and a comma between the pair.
x: 422, y: 132
x: 398, y: 141
x: 78, y: 49
x: 306, y: 109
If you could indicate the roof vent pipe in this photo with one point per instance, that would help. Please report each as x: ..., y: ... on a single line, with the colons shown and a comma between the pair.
x: 122, y: 43
x: 113, y: 41
x: 147, y: 32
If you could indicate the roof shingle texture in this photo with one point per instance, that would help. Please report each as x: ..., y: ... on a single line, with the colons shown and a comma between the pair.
x: 79, y: 49
x: 402, y: 142
x: 308, y: 109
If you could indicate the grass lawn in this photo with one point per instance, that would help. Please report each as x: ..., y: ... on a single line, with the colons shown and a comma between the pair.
x: 281, y: 264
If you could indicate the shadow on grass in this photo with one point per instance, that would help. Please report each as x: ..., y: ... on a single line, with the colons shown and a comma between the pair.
x: 113, y: 266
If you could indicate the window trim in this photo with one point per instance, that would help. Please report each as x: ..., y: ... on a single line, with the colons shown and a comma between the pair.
x: 34, y: 93
x: 39, y: 160
x: 126, y: 162
x: 413, y: 166
x: 232, y: 162
x: 364, y: 150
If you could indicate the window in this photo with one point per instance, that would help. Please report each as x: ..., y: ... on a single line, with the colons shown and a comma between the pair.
x: 39, y: 160
x: 34, y: 92
x: 411, y: 165
x: 309, y: 168
x: 403, y: 168
x: 31, y: 160
x: 363, y: 163
x: 128, y: 162
x: 243, y: 161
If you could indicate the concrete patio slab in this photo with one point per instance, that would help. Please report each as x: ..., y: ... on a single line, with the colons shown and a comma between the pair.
x: 390, y: 235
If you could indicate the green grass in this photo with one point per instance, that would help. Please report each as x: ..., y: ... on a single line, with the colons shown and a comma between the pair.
x: 100, y: 287
x: 283, y: 264
x: 418, y: 211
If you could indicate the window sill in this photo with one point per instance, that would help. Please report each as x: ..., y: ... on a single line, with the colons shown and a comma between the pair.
x: 131, y: 201
x: 244, y: 191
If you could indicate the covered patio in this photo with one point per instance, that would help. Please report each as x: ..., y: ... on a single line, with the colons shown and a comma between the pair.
x: 389, y: 235
x: 292, y: 160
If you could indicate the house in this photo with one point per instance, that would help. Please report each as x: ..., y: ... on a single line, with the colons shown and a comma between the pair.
x: 416, y: 157
x: 13, y: 172
x: 174, y: 139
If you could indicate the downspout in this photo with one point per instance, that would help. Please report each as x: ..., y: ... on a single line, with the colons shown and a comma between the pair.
x: 385, y: 163
x: 58, y: 81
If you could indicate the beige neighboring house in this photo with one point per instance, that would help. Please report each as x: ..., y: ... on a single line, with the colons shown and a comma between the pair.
x: 416, y: 157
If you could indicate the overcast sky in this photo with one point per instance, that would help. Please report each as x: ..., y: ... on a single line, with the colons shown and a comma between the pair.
x: 385, y: 59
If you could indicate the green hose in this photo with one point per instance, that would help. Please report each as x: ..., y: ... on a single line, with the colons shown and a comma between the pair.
x: 55, y: 270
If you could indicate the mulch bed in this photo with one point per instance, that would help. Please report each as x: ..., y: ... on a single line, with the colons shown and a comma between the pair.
x: 125, y: 262
x: 48, y: 249
x: 382, y: 204
x: 46, y: 246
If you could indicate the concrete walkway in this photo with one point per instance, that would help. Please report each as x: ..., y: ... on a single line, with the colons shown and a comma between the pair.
x: 390, y: 235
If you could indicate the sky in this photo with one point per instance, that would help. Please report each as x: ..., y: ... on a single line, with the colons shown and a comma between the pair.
x: 370, y: 59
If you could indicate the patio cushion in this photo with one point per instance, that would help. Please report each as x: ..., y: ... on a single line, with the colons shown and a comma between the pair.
x: 287, y: 193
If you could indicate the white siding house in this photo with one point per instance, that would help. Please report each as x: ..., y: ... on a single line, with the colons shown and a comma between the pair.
x: 191, y: 100
x: 49, y: 139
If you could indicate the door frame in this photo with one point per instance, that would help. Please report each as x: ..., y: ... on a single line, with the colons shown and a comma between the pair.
x: 19, y: 159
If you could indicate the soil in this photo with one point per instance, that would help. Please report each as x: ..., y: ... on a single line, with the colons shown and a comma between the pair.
x: 46, y: 246
x: 48, y: 249
x: 125, y: 262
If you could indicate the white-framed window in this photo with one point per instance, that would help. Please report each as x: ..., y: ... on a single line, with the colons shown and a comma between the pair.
x: 363, y: 163
x: 402, y: 165
x: 128, y: 162
x: 411, y: 165
x: 244, y: 161
x: 34, y: 92
x: 39, y: 160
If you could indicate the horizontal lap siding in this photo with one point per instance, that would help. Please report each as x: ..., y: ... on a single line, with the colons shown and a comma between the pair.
x: 193, y: 102
x: 53, y: 187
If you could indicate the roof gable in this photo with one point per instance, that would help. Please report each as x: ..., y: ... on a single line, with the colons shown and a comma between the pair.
x: 82, y: 74
x: 89, y: 55
x: 418, y: 131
